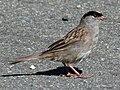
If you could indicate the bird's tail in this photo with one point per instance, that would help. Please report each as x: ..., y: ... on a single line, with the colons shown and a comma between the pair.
x: 31, y: 57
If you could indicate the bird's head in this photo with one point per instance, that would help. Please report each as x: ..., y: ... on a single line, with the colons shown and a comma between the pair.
x: 94, y: 14
x: 92, y: 17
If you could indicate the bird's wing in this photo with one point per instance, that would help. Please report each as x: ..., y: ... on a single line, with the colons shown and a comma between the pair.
x: 77, y: 34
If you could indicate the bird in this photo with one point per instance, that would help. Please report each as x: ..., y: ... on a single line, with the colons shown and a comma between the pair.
x: 76, y: 45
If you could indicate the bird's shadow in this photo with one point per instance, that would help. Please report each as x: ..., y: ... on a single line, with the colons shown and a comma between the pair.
x: 54, y: 72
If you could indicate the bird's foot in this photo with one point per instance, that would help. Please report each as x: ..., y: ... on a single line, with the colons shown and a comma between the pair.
x: 81, y: 76
x: 71, y: 75
x: 77, y: 76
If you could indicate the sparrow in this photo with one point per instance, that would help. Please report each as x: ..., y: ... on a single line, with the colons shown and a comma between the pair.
x: 74, y: 46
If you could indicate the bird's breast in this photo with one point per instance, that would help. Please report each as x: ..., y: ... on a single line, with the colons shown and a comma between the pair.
x: 84, y: 54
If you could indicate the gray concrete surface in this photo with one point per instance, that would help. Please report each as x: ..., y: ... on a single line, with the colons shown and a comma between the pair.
x: 30, y: 26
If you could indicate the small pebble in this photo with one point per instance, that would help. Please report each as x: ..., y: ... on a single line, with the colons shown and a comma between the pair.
x: 32, y: 67
x: 78, y: 6
x: 9, y: 71
x: 29, y: 49
x: 102, y: 59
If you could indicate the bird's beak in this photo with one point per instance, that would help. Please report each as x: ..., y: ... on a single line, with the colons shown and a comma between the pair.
x: 102, y: 18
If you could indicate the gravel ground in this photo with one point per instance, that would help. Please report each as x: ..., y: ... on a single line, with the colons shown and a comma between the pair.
x: 30, y: 26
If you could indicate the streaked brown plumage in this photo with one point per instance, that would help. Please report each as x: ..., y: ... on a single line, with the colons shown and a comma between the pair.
x: 74, y: 46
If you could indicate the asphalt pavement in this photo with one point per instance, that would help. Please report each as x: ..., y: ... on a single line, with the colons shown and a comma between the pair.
x: 30, y: 26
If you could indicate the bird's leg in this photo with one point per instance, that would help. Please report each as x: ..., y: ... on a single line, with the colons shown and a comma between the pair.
x: 68, y: 73
x: 77, y: 73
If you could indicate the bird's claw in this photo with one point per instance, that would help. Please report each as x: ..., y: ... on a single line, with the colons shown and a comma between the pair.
x: 77, y: 76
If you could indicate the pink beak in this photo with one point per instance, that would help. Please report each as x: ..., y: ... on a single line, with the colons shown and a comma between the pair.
x: 102, y: 18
